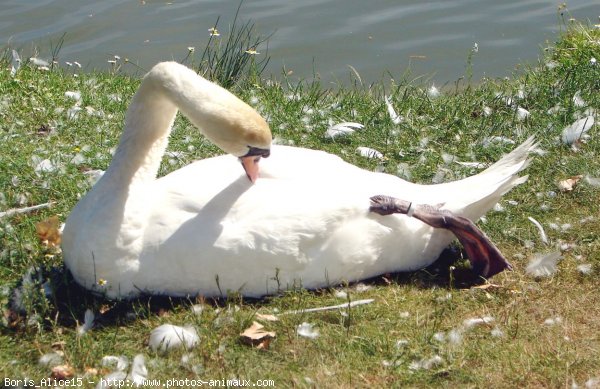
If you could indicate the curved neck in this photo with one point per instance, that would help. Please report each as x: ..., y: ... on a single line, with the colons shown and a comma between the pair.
x: 148, y: 124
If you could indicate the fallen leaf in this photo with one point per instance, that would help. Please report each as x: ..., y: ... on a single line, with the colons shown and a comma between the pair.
x: 62, y: 372
x: 266, y: 317
x: 257, y: 336
x: 49, y: 231
x: 570, y: 183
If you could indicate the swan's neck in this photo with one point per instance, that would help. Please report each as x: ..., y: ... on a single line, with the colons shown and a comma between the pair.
x: 147, y: 127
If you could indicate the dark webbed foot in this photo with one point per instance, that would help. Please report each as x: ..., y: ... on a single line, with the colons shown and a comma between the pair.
x: 484, y: 256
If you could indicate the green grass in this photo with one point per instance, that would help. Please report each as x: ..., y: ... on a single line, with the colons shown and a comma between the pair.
x: 360, y: 349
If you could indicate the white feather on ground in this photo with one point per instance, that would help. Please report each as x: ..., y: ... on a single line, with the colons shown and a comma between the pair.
x: 396, y: 119
x: 139, y: 373
x: 306, y: 330
x: 543, y: 265
x: 15, y: 63
x: 426, y: 363
x: 341, y: 129
x: 88, y: 322
x: 168, y: 337
x: 543, y: 235
x: 50, y: 360
x: 368, y: 152
x: 577, y: 130
x: 119, y: 363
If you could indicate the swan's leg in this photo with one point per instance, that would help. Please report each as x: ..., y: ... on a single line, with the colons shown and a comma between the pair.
x: 484, y: 256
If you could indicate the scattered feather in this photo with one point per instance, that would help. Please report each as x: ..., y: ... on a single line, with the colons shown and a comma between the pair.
x: 368, y: 152
x: 553, y: 321
x: 573, y: 133
x: 543, y: 265
x: 50, y: 359
x: 75, y: 95
x: 341, y: 294
x: 15, y: 63
x: 341, y: 129
x: 522, y: 113
x: 455, y: 336
x: 168, y: 337
x: 396, y: 119
x: 306, y: 330
x: 578, y: 100
x: 198, y: 309
x: 543, y: 235
x: 257, y: 336
x: 569, y: 184
x: 401, y: 343
x: 41, y: 166
x: 426, y: 363
x: 476, y: 321
x: 139, y: 372
x: 119, y: 363
x: 439, y: 337
x: 433, y: 92
x: 592, y: 383
x: 88, y: 322
x: 93, y: 175
x: 474, y: 164
x: 490, y: 140
x: 448, y: 158
x: 595, y: 182
x: 39, y: 62
x: 497, y: 333
x: 585, y: 268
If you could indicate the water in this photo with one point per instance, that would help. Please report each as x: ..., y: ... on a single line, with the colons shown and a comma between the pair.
x: 309, y: 36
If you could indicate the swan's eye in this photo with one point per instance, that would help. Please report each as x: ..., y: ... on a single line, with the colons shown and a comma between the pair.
x: 257, y: 151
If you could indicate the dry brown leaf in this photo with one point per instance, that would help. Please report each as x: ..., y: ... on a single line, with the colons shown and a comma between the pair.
x: 256, y: 336
x: 62, y: 372
x: 266, y: 317
x: 569, y: 184
x: 104, y: 308
x: 49, y: 231
x: 90, y: 371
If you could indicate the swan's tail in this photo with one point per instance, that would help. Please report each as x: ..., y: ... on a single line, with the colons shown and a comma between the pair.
x: 479, y: 193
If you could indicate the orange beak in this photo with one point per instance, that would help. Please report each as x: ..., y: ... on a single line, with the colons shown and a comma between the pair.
x: 250, y: 165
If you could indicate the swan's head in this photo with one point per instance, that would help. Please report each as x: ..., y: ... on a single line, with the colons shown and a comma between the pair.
x: 237, y: 129
x: 246, y: 135
x: 227, y: 121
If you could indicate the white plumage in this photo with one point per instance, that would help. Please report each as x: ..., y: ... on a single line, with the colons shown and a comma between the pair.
x: 206, y: 229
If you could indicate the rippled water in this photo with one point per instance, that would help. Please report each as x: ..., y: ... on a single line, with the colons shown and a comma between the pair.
x: 323, y: 36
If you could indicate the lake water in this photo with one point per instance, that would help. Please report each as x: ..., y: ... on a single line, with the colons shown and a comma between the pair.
x: 308, y: 36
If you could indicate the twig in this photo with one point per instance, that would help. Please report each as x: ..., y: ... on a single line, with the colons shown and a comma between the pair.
x: 16, y: 211
x: 330, y: 308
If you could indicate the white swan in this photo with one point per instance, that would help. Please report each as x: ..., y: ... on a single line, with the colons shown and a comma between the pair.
x: 207, y: 229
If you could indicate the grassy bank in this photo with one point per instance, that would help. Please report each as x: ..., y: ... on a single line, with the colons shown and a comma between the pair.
x: 423, y: 329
